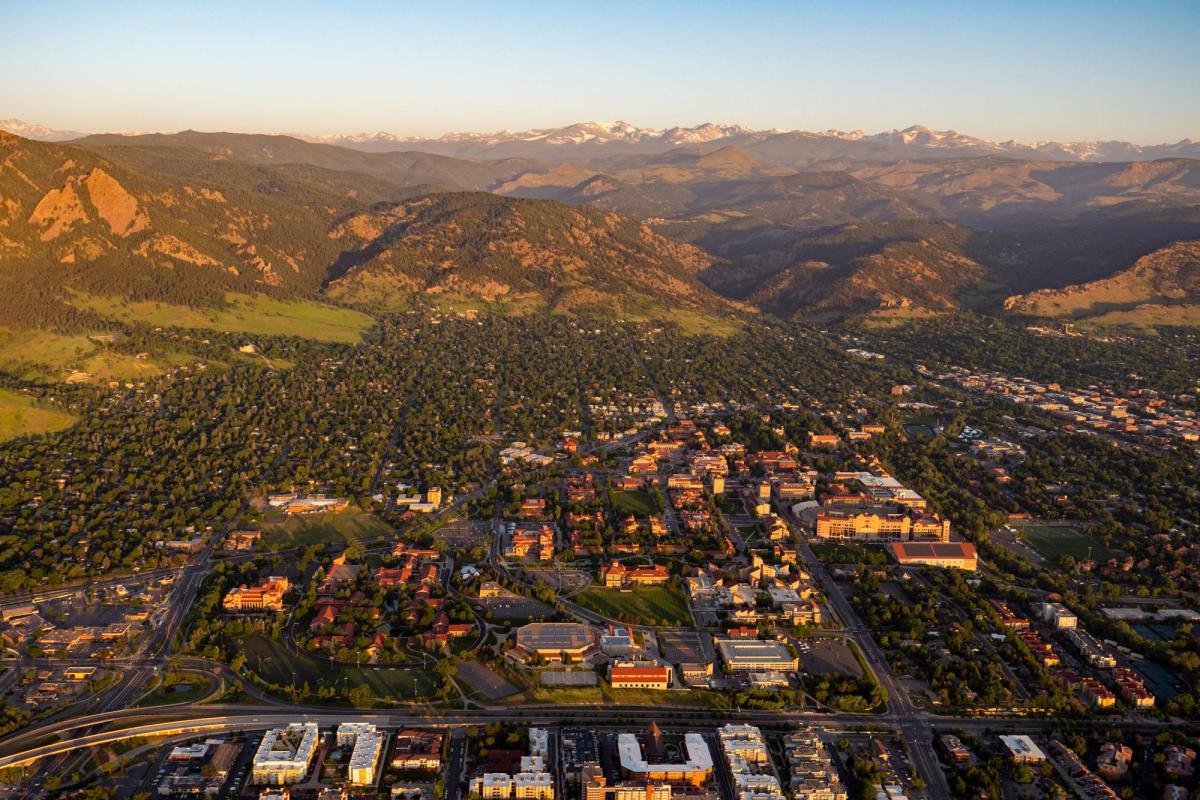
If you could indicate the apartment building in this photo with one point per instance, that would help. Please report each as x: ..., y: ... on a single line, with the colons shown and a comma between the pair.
x: 596, y: 787
x: 285, y: 754
x: 367, y: 744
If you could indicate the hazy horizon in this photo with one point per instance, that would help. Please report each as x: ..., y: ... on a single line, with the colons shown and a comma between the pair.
x: 342, y: 132
x: 1074, y: 71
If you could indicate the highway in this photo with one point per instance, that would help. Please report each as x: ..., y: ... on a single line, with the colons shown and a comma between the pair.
x: 23, y: 748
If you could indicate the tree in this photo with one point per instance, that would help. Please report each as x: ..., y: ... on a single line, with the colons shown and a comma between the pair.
x: 1022, y: 773
x: 361, y: 696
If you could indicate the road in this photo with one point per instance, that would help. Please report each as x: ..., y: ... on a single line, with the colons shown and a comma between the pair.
x: 205, y: 719
x: 455, y: 762
x: 912, y: 724
x: 57, y: 592
x: 112, y: 718
x: 152, y: 654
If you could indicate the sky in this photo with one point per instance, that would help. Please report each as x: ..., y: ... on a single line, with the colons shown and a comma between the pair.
x: 1055, y: 69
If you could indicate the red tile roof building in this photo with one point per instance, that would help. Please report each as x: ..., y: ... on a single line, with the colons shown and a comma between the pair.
x: 639, y: 676
x: 267, y: 596
x: 959, y: 555
x: 617, y: 576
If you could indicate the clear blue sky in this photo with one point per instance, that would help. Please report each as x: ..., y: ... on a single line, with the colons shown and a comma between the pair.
x: 1026, y: 70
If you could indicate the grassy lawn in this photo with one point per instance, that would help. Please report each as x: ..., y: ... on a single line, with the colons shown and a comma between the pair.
x: 691, y: 321
x: 638, y: 503
x: 234, y: 696
x: 1054, y: 542
x: 21, y: 416
x: 647, y: 605
x: 250, y: 314
x: 180, y: 687
x: 276, y: 664
x: 848, y: 553
x: 1148, y: 316
x: 516, y: 306
x: 41, y: 355
x: 351, y: 527
x: 895, y: 317
x: 603, y: 693
x: 45, y: 356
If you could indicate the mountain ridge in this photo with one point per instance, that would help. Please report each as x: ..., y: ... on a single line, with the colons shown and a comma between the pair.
x: 479, y: 246
x: 1167, y: 278
x: 185, y: 218
x: 592, y: 135
x: 915, y: 138
x: 174, y: 225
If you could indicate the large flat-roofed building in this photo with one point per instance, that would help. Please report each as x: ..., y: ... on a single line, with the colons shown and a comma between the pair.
x: 1092, y: 649
x: 744, y: 742
x: 746, y: 756
x: 957, y: 555
x: 596, y: 787
x: 1059, y: 616
x: 696, y: 770
x: 755, y: 655
x: 492, y: 786
x: 883, y: 489
x: 368, y: 747
x: 539, y: 742
x: 1022, y: 749
x: 533, y: 786
x: 522, y: 786
x: 565, y: 641
x: 617, y: 640
x: 284, y: 754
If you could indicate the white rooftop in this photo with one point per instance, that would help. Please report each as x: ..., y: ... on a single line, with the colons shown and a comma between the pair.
x: 699, y: 757
x: 1023, y: 746
x: 280, y: 748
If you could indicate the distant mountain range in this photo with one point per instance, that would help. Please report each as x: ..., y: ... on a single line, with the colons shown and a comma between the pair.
x: 590, y: 140
x: 32, y: 130
x: 689, y: 224
x: 595, y: 133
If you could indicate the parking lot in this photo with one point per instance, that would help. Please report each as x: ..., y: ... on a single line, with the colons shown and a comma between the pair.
x: 685, y: 647
x: 828, y: 655
x: 485, y: 680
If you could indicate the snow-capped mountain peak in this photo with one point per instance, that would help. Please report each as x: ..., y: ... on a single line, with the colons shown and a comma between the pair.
x: 31, y: 130
x: 591, y: 138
